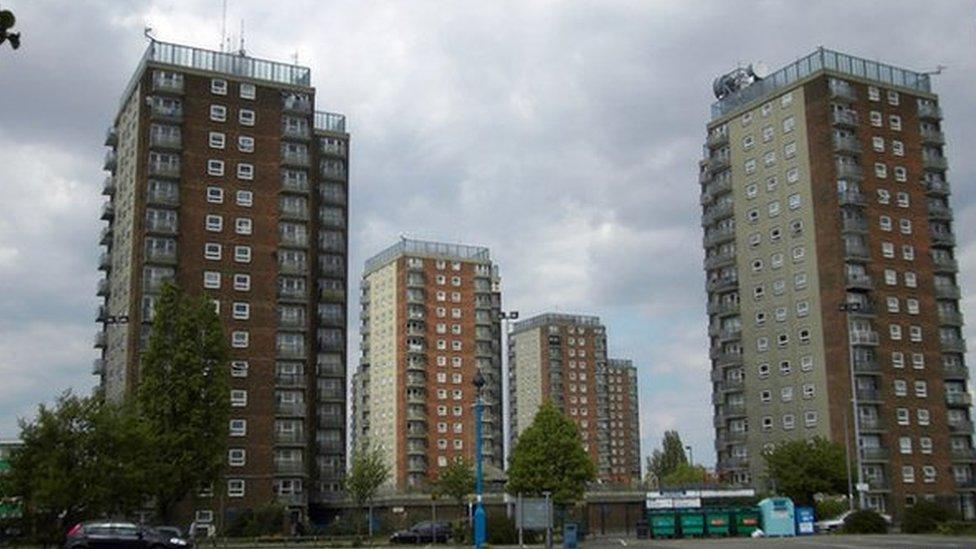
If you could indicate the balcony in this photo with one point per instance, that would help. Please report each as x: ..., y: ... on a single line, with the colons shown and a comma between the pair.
x: 105, y: 261
x: 292, y: 185
x: 292, y: 500
x: 847, y: 145
x: 728, y: 359
x: 164, y: 169
x: 717, y: 139
x: 874, y: 425
x: 955, y: 371
x: 730, y: 385
x: 292, y: 294
x: 940, y: 211
x: 293, y: 240
x: 167, y: 140
x: 856, y: 252
x: 723, y: 309
x: 417, y: 466
x: 945, y: 264
x: 100, y: 339
x: 874, y: 453
x: 947, y: 291
x: 166, y: 113
x: 158, y: 197
x: 929, y: 111
x: 290, y: 409
x: 962, y: 454
x: 290, y: 438
x: 936, y: 187
x: 868, y: 395
x: 332, y: 170
x: 108, y: 186
x: 851, y: 198
x: 957, y: 345
x: 859, y: 282
x: 296, y: 105
x: 294, y: 214
x: 290, y: 468
x: 111, y: 137
x: 719, y: 236
x: 878, y: 485
x: 293, y: 267
x: 111, y: 161
x: 959, y: 399
x: 720, y: 186
x: 98, y: 366
x: 844, y: 119
x: 849, y: 171
x: 943, y: 238
x: 103, y: 287
x: 961, y: 426
x: 168, y: 84
x: 718, y: 163
x: 332, y: 148
x: 294, y: 381
x: 161, y: 255
x: 294, y: 353
x: 734, y: 462
x: 935, y: 163
x: 719, y: 260
x: 867, y: 366
x: 933, y: 137
x: 716, y: 212
x: 416, y: 412
x: 301, y: 132
x: 298, y: 159
x: 854, y: 225
x: 864, y: 337
x: 950, y: 318
x: 842, y: 91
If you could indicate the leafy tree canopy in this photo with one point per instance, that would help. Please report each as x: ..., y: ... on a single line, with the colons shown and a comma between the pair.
x: 686, y: 474
x: 800, y: 469
x: 367, y: 473
x: 662, y: 462
x: 549, y: 457
x: 456, y: 480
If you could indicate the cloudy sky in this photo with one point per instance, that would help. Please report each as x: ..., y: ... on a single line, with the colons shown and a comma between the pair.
x: 564, y: 135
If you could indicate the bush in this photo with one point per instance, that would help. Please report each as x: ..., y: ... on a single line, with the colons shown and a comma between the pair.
x: 957, y: 528
x: 830, y: 508
x: 501, y: 529
x: 924, y: 517
x: 865, y: 522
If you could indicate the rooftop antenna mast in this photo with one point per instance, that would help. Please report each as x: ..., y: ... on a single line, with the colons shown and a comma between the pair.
x: 223, y: 26
x: 938, y: 70
x: 241, y: 51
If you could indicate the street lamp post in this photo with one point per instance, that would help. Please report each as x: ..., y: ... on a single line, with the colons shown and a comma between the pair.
x: 850, y: 307
x: 479, y: 509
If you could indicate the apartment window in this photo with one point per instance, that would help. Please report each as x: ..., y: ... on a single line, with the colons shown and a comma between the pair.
x: 782, y: 340
x: 746, y: 118
x: 884, y: 197
x: 762, y: 344
x: 925, y: 445
x: 767, y: 134
x: 245, y: 171
x: 217, y: 140
x: 907, y: 474
x: 760, y: 318
x: 888, y: 250
x: 788, y: 124
x: 785, y: 367
x: 911, y: 306
x: 905, y: 226
x: 242, y: 282
x: 911, y: 280
x: 923, y: 417
x: 786, y: 394
x: 810, y: 418
x: 891, y: 277
x: 240, y: 339
x: 776, y: 260
x: 915, y: 334
x: 905, y: 445
x: 878, y: 144
x: 789, y: 422
x: 897, y: 148
x: 767, y: 423
x: 238, y: 398
x: 455, y: 345
x: 901, y: 387
x: 874, y: 94
x: 928, y: 474
x: 800, y: 281
x: 214, y: 223
x: 750, y: 166
x: 769, y: 159
x: 908, y: 252
x: 799, y: 252
x: 748, y: 142
x: 763, y: 370
x: 238, y: 427
x: 892, y: 304
x: 786, y: 100
x: 242, y: 254
x: 808, y: 390
x: 794, y: 201
x: 246, y: 117
x: 245, y: 144
x: 789, y: 150
x: 455, y: 297
x: 766, y: 109
x: 806, y: 363
x: 211, y: 280
x: 235, y: 488
x: 245, y: 198
x: 241, y: 310
x: 894, y: 332
x: 901, y: 174
x: 757, y: 265
x: 753, y: 215
x: 902, y: 416
x: 211, y: 250
x: 921, y: 389
x: 218, y: 86
x: 780, y: 314
x: 215, y: 167
x: 885, y: 223
x: 880, y: 170
x: 218, y: 113
x: 248, y: 91
x: 894, y: 121
x: 238, y: 368
x: 918, y: 361
x: 752, y: 190
x: 773, y: 208
x: 243, y: 225
x: 876, y: 119
x: 804, y: 336
x: 779, y: 286
x: 902, y: 200
x: 766, y: 396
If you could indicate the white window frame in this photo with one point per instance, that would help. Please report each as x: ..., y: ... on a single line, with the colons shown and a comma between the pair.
x: 214, y: 223
x: 218, y: 113
x: 238, y: 398
x: 246, y: 117
x: 240, y: 339
x: 217, y: 140
x: 245, y: 171
x: 247, y: 90
x: 242, y: 254
x: 243, y: 225
x: 215, y: 167
x: 242, y: 282
x: 245, y: 199
x: 236, y: 487
x: 211, y: 280
x: 212, y: 251
x: 218, y: 86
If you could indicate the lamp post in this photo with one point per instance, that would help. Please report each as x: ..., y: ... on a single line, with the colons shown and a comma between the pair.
x: 852, y: 307
x: 479, y: 509
x: 691, y: 456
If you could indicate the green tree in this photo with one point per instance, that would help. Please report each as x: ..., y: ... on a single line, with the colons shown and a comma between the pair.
x: 367, y: 473
x: 549, y: 457
x: 81, y: 458
x: 662, y: 462
x: 183, y: 396
x: 686, y: 474
x: 456, y: 480
x: 801, y: 468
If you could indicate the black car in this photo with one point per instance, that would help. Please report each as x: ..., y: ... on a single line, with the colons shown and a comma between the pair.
x: 121, y: 535
x: 424, y: 532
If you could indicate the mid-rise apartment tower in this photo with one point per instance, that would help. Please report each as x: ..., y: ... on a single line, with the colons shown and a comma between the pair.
x: 831, y: 274
x: 224, y: 180
x: 430, y: 324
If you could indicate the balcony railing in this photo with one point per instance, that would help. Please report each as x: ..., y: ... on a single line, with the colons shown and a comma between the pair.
x: 332, y: 170
x: 939, y: 211
x: 289, y: 468
x: 849, y: 171
x: 297, y: 240
x: 299, y: 214
x: 859, y: 282
x: 947, y: 291
x: 294, y: 409
x: 290, y: 380
x: 844, y: 118
x: 108, y: 186
x: 961, y: 426
x: 164, y: 169
x: 329, y: 121
x: 718, y: 236
x: 717, y: 139
x: 290, y: 352
x: 292, y: 185
x: 945, y: 264
x: 334, y: 148
x: 163, y: 198
x: 100, y: 339
x: 165, y: 140
x: 842, y: 91
x: 938, y: 163
x: 936, y: 187
x: 295, y: 104
x: 957, y: 345
x: 167, y: 113
x: 103, y: 287
x: 292, y: 267
x: 854, y: 225
x: 161, y: 255
x: 111, y: 161
x: 955, y: 371
x: 165, y: 84
x: 718, y: 163
x: 111, y: 137
x: 295, y: 158
x: 105, y: 261
x: 929, y: 111
x: 868, y: 395
x: 98, y: 366
x: 874, y: 453
x: 943, y: 238
x: 950, y: 318
x: 161, y: 226
x: 962, y: 454
x: 864, y: 337
x: 290, y: 437
x: 867, y: 366
x: 849, y: 145
x: 292, y: 500
x: 959, y: 399
x: 933, y: 137
x: 873, y: 425
x: 856, y: 252
x: 851, y: 198
x: 718, y: 260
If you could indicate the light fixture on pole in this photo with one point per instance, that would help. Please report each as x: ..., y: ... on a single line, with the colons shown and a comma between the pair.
x: 479, y: 509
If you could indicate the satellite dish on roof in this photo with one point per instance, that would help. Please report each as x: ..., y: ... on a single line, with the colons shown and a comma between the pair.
x: 758, y: 69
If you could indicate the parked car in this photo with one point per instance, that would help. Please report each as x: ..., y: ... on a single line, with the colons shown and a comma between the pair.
x: 836, y: 523
x: 121, y: 535
x: 424, y: 532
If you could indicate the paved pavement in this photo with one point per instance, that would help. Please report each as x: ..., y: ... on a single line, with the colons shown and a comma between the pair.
x: 889, y: 541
